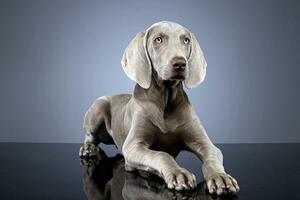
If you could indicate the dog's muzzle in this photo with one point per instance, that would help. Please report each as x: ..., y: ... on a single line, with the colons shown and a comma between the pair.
x: 178, y: 65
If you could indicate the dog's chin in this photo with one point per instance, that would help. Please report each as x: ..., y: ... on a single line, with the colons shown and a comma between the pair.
x: 178, y: 76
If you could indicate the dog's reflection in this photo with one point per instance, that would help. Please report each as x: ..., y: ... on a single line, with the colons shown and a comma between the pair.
x: 106, y: 178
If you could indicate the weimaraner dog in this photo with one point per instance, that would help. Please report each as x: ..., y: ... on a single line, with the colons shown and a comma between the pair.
x: 154, y: 124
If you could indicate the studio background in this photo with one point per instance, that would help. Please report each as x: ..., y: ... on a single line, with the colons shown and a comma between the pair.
x: 57, y: 57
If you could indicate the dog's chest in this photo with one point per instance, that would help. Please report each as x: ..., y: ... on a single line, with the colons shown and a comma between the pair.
x: 172, y: 123
x: 169, y: 142
x: 174, y: 119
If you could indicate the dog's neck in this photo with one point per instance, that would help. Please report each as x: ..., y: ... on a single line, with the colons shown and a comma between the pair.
x: 160, y: 99
x: 163, y: 93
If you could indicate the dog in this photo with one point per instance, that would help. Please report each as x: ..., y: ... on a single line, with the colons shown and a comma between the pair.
x: 151, y: 126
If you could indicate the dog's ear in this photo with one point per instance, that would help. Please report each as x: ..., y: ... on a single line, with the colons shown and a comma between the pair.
x: 135, y: 61
x: 196, y: 64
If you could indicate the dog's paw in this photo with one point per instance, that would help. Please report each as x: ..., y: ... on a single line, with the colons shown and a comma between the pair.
x: 89, y: 150
x: 222, y: 183
x: 89, y: 165
x: 180, y: 179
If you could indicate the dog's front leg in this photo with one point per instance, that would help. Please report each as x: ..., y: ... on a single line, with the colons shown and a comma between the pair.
x: 138, y: 156
x: 217, y: 180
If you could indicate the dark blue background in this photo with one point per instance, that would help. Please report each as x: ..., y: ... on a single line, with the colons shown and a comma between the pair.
x: 56, y: 57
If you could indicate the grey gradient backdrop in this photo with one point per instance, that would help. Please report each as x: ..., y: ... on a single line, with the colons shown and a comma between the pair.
x: 56, y: 57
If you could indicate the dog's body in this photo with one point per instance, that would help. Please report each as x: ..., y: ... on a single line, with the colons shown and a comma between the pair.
x: 154, y: 124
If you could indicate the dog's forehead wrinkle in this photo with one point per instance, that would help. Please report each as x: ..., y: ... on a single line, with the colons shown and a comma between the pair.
x: 167, y: 27
x: 169, y: 32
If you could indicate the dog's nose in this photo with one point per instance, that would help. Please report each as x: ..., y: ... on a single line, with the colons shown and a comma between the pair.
x: 178, y: 63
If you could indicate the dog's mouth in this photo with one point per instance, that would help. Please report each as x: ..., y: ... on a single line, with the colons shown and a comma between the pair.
x: 174, y: 75
x: 177, y: 77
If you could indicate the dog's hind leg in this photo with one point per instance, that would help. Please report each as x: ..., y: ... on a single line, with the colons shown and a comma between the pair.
x: 96, y: 125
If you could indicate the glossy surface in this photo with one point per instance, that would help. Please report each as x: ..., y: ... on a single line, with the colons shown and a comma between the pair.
x: 54, y: 171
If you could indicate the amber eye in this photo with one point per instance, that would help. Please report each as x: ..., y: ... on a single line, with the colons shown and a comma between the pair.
x: 186, y: 40
x: 158, y: 40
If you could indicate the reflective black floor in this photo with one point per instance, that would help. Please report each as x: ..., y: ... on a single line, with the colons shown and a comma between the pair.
x: 54, y: 171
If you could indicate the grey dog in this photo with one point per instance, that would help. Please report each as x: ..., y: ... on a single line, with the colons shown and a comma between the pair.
x: 154, y: 124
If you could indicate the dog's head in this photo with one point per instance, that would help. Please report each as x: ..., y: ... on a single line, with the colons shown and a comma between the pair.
x: 169, y: 49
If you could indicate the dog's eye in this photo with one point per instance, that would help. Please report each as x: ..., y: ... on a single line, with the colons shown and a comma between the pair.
x: 186, y: 40
x: 158, y: 40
